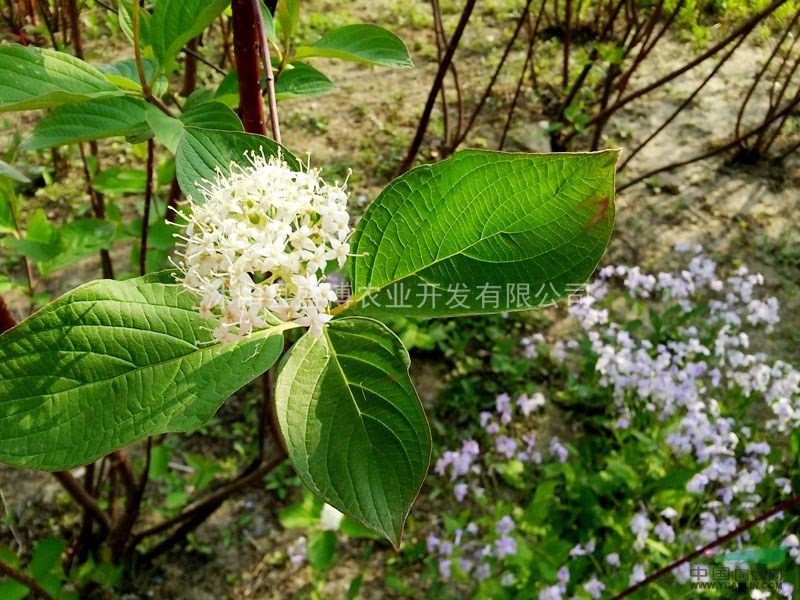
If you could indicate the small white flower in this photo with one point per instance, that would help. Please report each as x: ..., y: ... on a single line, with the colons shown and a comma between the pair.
x: 594, y: 588
x: 669, y: 513
x: 637, y: 574
x: 330, y: 519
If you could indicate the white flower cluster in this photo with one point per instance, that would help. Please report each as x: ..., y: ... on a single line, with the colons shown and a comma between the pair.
x: 259, y: 245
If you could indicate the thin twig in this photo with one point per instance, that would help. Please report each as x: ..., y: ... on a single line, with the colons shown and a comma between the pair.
x: 11, y: 528
x: 736, y: 141
x: 25, y: 580
x: 263, y: 47
x: 743, y: 29
x: 517, y: 91
x: 84, y: 534
x: 441, y: 43
x: 25, y: 259
x: 683, y: 104
x: 122, y: 539
x: 190, y: 69
x: 208, y: 504
x: 488, y: 90
x: 416, y: 143
x: 80, y: 495
x: 148, y: 197
x: 137, y: 50
x: 185, y: 49
x: 783, y: 506
x: 567, y: 29
x: 98, y: 207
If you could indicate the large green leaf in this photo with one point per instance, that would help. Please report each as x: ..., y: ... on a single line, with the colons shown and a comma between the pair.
x: 112, y: 362
x: 354, y: 428
x: 85, y: 121
x: 202, y: 152
x: 32, y: 78
x: 484, y: 232
x: 364, y: 43
x: 175, y: 22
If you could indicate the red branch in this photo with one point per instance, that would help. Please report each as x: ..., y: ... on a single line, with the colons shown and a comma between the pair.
x: 246, y: 50
x: 7, y: 320
x: 792, y: 502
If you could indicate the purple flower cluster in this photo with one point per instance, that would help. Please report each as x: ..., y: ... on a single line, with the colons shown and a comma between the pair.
x: 681, y: 387
x: 474, y: 555
x: 683, y: 381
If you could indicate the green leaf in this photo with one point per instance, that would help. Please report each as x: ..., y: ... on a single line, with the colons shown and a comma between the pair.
x: 212, y: 115
x: 321, y: 550
x: 354, y: 428
x: 8, y: 205
x: 42, y: 240
x: 125, y: 16
x: 112, y: 362
x: 78, y: 240
x: 484, y: 232
x: 125, y: 75
x: 120, y: 181
x: 175, y: 22
x: 304, y: 515
x: 363, y: 43
x: 55, y: 247
x: 300, y: 80
x: 202, y: 151
x: 198, y: 97
x: 269, y: 23
x: 206, y: 115
x: 354, y: 589
x: 168, y: 130
x: 46, y: 557
x: 85, y: 121
x: 6, y: 170
x: 354, y: 529
x: 543, y: 503
x: 13, y: 590
x: 228, y: 90
x: 287, y: 16
x: 32, y: 78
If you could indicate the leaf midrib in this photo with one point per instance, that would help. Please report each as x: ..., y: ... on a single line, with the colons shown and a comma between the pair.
x: 436, y: 261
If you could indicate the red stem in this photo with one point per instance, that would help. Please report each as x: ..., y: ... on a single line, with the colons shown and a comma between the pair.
x: 245, y: 47
x: 7, y: 320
